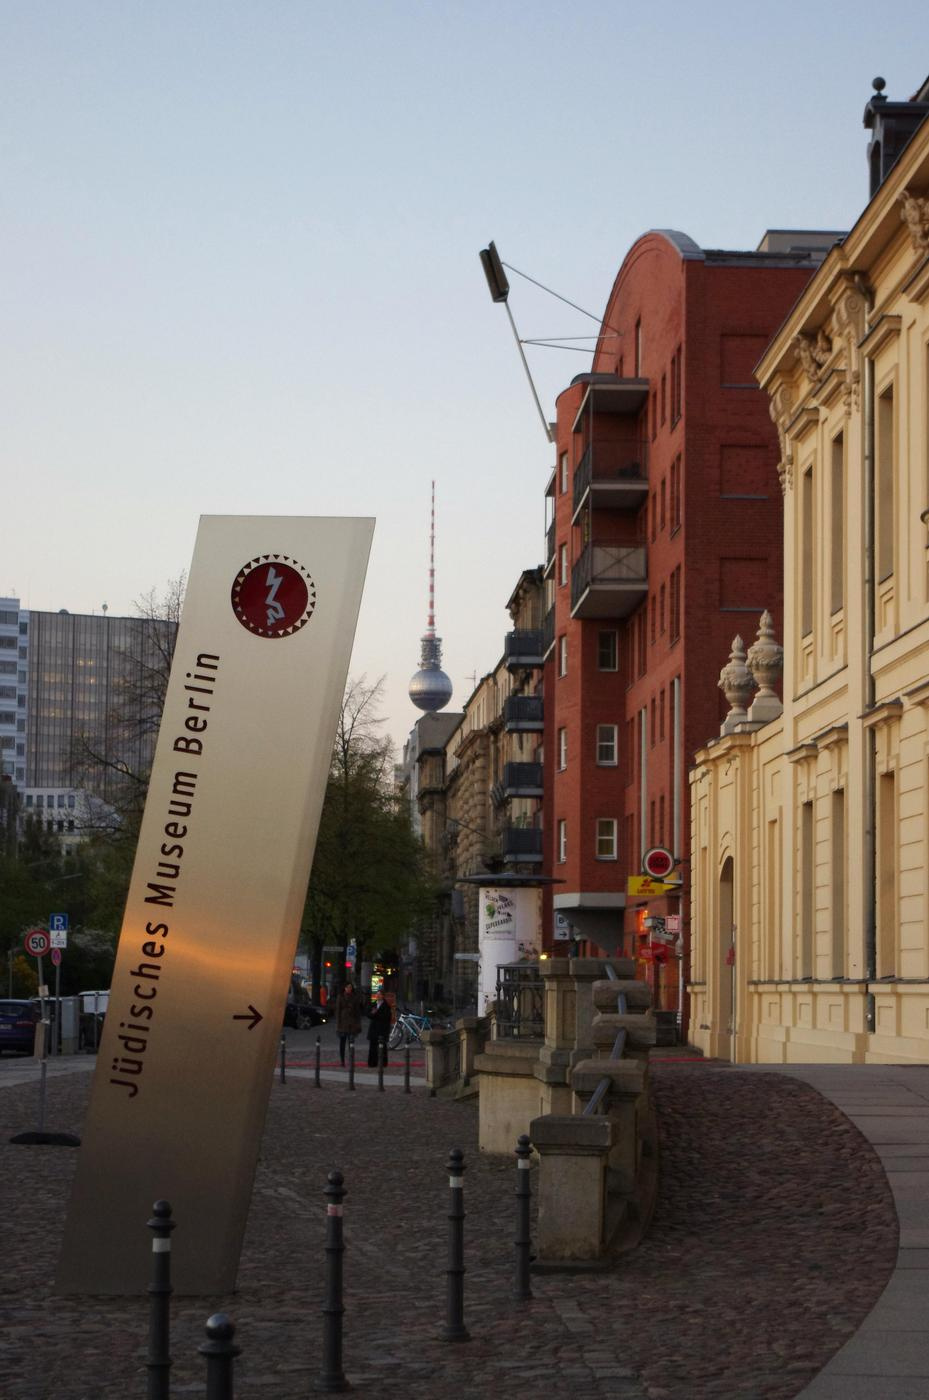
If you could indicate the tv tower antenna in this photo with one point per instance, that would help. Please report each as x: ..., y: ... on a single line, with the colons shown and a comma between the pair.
x: 430, y: 688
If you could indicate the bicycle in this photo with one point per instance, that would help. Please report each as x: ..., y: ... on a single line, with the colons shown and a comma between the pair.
x: 407, y: 1028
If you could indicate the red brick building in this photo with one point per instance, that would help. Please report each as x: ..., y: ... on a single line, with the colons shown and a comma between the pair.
x: 664, y: 541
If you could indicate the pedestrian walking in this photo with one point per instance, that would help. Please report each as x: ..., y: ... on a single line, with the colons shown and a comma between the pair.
x: 378, y: 1027
x: 347, y: 1016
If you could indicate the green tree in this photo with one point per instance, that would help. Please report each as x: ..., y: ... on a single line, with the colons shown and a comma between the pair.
x: 371, y: 881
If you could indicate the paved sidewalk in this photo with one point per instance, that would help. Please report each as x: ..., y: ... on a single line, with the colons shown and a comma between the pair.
x: 888, y: 1356
x: 26, y: 1070
x: 773, y: 1237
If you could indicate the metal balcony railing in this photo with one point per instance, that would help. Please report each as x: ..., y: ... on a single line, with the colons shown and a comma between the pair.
x: 609, y: 580
x: 523, y: 648
x: 613, y: 474
x: 548, y: 632
x: 522, y: 780
x: 522, y: 844
x: 550, y: 545
x: 522, y: 713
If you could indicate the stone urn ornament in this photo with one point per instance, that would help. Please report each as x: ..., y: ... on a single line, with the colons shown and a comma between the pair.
x: 737, y: 684
x: 766, y: 663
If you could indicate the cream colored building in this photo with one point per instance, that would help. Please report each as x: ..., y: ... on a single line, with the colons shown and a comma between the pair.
x: 810, y: 831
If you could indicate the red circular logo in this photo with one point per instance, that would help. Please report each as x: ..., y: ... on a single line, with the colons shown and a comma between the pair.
x: 657, y: 862
x: 273, y: 595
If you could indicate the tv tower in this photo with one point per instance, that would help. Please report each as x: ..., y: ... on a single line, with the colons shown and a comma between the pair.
x: 430, y: 688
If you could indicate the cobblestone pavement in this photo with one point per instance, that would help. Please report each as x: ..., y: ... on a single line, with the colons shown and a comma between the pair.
x: 773, y: 1236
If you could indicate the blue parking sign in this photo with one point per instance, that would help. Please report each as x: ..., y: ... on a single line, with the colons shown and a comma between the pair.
x: 58, y: 923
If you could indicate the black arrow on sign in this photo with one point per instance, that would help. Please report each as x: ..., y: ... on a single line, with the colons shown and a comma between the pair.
x: 251, y: 1015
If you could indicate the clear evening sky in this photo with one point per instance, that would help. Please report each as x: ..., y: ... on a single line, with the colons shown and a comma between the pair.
x: 240, y: 261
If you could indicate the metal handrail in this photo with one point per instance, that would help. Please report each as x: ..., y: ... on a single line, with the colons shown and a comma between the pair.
x: 624, y: 460
x: 619, y: 1046
x: 608, y: 563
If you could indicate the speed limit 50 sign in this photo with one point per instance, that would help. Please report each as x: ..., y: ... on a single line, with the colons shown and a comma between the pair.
x: 37, y: 943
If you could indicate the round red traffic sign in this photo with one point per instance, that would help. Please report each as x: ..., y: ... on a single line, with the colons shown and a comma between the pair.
x: 658, y: 862
x: 37, y: 943
x: 56, y: 957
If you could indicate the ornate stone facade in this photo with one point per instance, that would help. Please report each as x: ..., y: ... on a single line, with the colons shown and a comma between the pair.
x: 810, y: 831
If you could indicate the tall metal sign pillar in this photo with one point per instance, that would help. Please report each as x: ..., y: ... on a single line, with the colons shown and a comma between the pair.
x: 186, y: 1061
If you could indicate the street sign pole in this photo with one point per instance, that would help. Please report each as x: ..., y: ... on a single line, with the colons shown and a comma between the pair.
x: 56, y: 1039
x: 43, y: 1070
x: 37, y: 944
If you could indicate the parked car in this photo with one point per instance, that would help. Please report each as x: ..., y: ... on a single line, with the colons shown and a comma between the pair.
x: 88, y: 1034
x: 17, y: 1026
x: 301, y: 1014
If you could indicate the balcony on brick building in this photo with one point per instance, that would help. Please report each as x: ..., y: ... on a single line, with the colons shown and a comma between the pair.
x: 523, y: 648
x: 550, y: 548
x: 522, y: 780
x: 612, y: 475
x: 522, y: 714
x: 609, y: 580
x: 522, y: 845
x: 548, y: 632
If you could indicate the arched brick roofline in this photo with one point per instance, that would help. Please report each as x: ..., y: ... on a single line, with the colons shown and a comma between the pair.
x: 685, y: 247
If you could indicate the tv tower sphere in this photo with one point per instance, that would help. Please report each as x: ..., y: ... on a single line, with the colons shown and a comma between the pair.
x: 430, y: 688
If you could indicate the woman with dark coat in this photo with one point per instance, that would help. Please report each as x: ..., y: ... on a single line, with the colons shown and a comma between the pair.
x: 378, y: 1027
x: 347, y: 1016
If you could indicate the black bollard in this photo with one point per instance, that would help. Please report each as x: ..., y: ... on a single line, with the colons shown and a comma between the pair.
x: 351, y: 1063
x: 220, y: 1354
x: 454, y: 1329
x: 523, y: 1200
x: 283, y: 1058
x: 332, y: 1377
x: 160, y: 1290
x: 381, y: 1053
x: 406, y: 1069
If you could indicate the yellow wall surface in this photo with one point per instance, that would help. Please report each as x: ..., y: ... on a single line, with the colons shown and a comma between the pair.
x: 810, y: 834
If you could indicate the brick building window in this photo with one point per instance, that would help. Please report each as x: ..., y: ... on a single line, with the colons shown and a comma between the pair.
x: 662, y: 497
x: 562, y: 656
x: 661, y: 612
x: 677, y: 375
x: 607, y: 745
x: 664, y: 398
x: 675, y: 502
x: 606, y: 838
x: 562, y: 841
x: 674, y: 608
x: 661, y: 715
x: 653, y: 610
x: 562, y: 749
x: 563, y: 472
x: 562, y: 565
x: 607, y: 651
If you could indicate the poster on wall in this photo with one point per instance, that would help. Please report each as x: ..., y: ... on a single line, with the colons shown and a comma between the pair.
x: 508, y: 932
